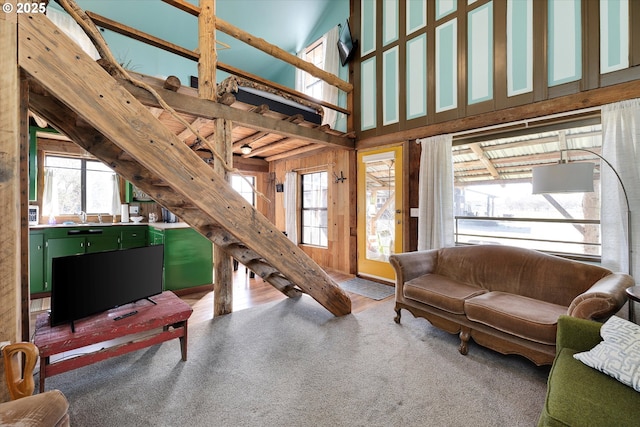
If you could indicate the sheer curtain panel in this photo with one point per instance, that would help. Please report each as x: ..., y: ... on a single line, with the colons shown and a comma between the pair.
x: 435, y: 206
x: 291, y: 205
x: 621, y: 147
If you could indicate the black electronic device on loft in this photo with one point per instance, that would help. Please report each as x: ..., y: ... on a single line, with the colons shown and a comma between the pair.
x: 346, y: 44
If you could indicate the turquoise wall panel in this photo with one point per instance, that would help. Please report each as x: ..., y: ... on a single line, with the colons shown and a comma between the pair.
x: 390, y: 15
x: 368, y: 27
x: 368, y: 97
x: 417, y: 77
x: 614, y: 35
x: 445, y: 7
x: 447, y: 66
x: 416, y: 15
x: 565, y: 41
x: 519, y: 46
x: 390, y: 86
x: 480, y: 54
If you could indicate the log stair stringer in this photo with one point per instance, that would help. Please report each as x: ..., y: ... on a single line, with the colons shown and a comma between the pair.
x: 93, y: 109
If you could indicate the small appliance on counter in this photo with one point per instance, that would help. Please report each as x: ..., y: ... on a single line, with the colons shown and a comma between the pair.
x: 167, y: 216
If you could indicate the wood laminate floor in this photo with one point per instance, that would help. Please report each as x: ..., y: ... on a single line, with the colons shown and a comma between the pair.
x: 247, y: 292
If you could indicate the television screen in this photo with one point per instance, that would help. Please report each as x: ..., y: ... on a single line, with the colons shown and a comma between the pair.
x: 92, y: 283
x: 346, y: 45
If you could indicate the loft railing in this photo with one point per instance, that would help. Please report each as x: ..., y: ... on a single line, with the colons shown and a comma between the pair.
x: 239, y: 34
x: 573, y: 238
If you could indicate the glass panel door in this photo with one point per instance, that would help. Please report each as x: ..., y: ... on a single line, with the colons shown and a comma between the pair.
x: 379, y: 211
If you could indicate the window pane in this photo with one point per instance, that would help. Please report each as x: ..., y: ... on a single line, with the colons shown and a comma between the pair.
x: 99, y: 191
x: 497, y: 206
x: 243, y: 185
x: 67, y: 185
x: 66, y: 182
x: 314, y: 208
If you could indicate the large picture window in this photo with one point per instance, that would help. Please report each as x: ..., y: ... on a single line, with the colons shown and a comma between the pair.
x: 314, y: 209
x: 493, y: 200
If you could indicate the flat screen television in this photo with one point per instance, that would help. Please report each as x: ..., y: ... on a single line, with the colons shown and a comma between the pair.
x: 91, y: 283
x: 346, y: 45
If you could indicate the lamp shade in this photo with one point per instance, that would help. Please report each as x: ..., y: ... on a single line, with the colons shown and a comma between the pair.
x: 563, y: 178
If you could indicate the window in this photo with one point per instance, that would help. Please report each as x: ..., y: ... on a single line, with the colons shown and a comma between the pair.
x: 243, y: 185
x: 314, y: 54
x: 79, y: 185
x: 493, y: 200
x: 314, y: 209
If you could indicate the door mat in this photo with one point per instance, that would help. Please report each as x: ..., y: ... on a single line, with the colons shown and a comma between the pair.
x: 367, y: 288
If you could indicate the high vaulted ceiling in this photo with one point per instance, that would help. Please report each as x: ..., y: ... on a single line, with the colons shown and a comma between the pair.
x: 287, y: 24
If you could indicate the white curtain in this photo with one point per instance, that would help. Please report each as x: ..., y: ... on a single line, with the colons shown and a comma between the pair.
x: 71, y: 28
x: 621, y: 147
x: 115, y: 197
x: 435, y: 205
x: 50, y: 195
x: 291, y: 205
x: 331, y: 65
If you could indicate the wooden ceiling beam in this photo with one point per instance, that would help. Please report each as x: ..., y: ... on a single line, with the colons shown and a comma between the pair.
x: 197, y: 124
x: 301, y: 150
x: 203, y: 108
x: 265, y: 148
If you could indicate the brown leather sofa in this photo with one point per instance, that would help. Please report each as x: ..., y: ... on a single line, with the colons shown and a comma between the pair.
x: 505, y: 298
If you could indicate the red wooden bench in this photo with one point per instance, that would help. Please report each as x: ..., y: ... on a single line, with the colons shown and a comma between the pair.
x: 153, y: 323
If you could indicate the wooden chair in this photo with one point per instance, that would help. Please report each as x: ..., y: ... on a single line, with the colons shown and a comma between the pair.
x: 18, y: 370
x: 43, y: 409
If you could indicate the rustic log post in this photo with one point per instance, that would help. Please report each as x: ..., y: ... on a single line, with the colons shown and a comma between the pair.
x: 25, y: 295
x: 10, y: 313
x: 223, y: 264
x: 208, y: 53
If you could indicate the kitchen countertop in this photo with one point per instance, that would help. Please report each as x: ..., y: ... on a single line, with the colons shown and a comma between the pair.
x: 159, y: 225
x: 168, y: 225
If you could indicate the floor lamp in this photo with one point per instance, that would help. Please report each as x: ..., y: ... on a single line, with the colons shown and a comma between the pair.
x: 567, y: 177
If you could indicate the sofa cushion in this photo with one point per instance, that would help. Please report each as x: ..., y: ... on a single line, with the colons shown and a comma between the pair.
x: 579, y: 395
x: 524, y: 317
x: 619, y: 354
x: 519, y: 271
x: 440, y: 292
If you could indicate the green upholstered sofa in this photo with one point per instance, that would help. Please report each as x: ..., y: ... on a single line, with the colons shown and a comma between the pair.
x: 578, y: 395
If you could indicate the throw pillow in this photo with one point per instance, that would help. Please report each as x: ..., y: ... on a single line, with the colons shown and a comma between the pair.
x: 619, y: 354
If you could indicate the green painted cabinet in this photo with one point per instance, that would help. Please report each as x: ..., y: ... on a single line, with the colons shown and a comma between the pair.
x: 188, y: 257
x: 133, y: 236
x: 74, y: 241
x: 36, y: 262
x: 48, y: 243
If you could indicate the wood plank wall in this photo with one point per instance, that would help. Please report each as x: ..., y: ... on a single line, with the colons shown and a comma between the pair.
x: 341, y: 211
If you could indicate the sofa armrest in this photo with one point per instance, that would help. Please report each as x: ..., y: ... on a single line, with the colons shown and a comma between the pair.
x: 603, y: 299
x: 577, y: 334
x: 410, y: 265
x: 43, y: 409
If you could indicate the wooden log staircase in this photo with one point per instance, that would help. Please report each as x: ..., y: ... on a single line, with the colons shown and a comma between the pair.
x: 80, y: 99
